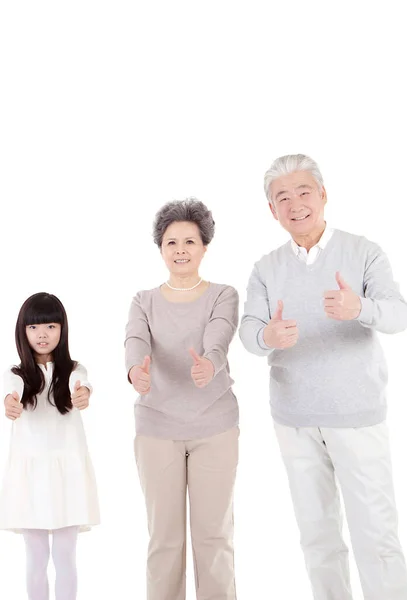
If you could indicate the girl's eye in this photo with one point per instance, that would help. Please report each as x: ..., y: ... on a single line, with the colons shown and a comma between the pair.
x: 51, y: 326
x: 31, y: 327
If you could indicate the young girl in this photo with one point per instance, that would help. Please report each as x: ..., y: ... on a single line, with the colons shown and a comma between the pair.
x: 49, y: 484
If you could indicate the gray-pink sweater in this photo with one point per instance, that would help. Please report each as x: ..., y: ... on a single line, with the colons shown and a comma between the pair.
x: 175, y: 408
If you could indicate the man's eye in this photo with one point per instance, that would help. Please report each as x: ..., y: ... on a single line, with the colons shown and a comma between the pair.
x: 283, y: 199
x: 304, y: 193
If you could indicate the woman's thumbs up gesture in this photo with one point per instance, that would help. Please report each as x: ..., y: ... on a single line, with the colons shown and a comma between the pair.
x: 202, y: 371
x: 140, y: 376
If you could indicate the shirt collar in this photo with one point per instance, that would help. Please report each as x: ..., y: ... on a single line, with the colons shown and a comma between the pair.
x: 325, y: 237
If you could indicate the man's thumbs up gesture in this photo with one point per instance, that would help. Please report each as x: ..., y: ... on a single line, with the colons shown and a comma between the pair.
x: 140, y: 376
x: 343, y: 304
x: 280, y: 333
x: 202, y: 371
x: 13, y: 406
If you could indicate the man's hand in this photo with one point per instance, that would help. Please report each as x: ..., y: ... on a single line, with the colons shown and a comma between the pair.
x: 140, y: 376
x: 280, y: 333
x: 202, y: 371
x: 343, y: 304
x: 13, y: 406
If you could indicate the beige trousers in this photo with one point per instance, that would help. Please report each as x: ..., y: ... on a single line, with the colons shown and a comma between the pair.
x: 318, y: 462
x: 207, y: 469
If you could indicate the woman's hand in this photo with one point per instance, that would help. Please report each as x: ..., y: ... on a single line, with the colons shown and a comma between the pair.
x: 80, y: 396
x: 13, y: 406
x: 140, y: 376
x: 202, y: 371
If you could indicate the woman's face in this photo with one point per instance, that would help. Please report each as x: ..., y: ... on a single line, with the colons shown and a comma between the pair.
x: 182, y: 248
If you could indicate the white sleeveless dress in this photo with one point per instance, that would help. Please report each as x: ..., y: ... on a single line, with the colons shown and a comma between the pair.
x: 49, y: 482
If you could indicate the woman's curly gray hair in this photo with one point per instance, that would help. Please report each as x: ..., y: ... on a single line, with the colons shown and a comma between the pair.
x: 191, y: 210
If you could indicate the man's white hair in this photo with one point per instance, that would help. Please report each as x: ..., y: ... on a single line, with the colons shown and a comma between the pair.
x: 284, y: 165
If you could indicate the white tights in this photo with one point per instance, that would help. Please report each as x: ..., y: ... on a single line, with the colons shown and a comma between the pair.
x: 63, y: 556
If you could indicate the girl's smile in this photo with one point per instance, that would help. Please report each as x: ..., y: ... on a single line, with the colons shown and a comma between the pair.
x: 43, y: 339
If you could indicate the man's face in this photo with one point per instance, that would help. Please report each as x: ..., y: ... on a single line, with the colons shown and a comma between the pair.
x: 298, y: 203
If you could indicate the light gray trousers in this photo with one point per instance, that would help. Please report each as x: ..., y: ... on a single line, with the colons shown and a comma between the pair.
x: 317, y: 460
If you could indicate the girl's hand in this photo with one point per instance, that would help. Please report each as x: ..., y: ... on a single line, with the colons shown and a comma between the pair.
x: 80, y: 396
x: 140, y: 376
x: 202, y: 371
x: 13, y: 406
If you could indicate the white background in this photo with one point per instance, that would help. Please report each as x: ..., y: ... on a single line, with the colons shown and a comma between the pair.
x: 110, y: 109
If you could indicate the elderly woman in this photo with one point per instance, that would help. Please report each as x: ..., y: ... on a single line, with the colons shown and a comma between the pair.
x: 177, y: 341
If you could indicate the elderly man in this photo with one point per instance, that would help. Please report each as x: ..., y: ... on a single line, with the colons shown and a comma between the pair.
x: 314, y: 307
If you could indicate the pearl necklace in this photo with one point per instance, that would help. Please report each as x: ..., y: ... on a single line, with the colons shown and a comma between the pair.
x: 183, y: 289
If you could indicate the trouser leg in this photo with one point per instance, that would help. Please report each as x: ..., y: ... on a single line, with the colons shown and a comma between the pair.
x: 361, y: 458
x: 162, y: 471
x: 317, y: 509
x: 211, y: 465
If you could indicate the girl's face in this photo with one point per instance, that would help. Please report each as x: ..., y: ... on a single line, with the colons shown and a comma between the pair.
x: 182, y: 248
x: 43, y: 338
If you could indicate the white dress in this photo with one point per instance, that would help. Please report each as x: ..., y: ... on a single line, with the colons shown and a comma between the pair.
x: 49, y: 482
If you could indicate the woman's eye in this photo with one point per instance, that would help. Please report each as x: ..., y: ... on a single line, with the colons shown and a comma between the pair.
x: 190, y: 241
x: 171, y: 243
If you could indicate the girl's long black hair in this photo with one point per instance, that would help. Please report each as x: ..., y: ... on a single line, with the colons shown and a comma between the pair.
x: 44, y: 308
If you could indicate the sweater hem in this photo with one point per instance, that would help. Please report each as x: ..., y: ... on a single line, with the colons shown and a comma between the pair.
x: 356, y: 420
x: 201, y: 428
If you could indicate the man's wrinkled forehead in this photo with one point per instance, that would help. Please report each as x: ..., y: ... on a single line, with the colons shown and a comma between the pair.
x: 292, y: 183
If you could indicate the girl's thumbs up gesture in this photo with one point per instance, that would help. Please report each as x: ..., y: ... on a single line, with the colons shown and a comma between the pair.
x: 140, y: 376
x: 80, y: 396
x: 202, y: 371
x: 13, y: 406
